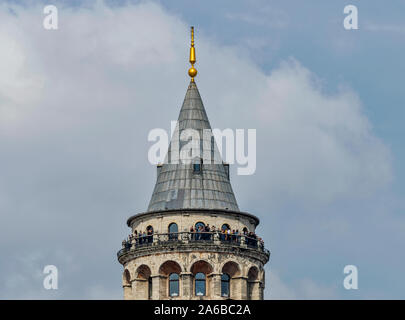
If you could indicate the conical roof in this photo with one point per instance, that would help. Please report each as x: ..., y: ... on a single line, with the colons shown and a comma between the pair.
x: 202, y: 183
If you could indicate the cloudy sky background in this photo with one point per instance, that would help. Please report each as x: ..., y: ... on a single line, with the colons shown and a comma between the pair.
x: 76, y: 106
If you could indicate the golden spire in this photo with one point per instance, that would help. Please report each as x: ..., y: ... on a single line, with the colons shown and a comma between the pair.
x: 192, y: 72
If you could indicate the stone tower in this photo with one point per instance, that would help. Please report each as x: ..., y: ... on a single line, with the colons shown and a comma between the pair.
x: 193, y: 242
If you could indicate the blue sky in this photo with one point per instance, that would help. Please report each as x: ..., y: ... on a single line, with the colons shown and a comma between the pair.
x: 322, y: 206
x: 368, y: 61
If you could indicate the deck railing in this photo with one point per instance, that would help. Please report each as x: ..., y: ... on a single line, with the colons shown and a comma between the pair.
x: 143, y: 241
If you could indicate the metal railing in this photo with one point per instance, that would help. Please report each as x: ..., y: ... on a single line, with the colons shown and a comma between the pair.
x: 191, y: 237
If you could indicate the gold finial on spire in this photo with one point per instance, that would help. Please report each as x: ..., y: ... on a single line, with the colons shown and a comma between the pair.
x: 192, y: 72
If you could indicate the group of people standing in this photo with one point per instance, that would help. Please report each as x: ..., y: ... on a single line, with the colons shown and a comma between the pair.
x: 253, y: 240
x: 199, y: 232
x: 230, y: 235
x: 140, y: 238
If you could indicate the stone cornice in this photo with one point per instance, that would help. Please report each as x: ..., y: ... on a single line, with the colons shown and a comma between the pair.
x: 153, y: 214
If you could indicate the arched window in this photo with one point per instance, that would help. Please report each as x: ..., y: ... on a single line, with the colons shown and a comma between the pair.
x: 223, y: 236
x: 199, y: 224
x: 253, y: 274
x: 173, y: 230
x: 200, y: 284
x: 127, y: 277
x: 174, y: 285
x: 197, y: 165
x: 199, y: 227
x: 225, y: 285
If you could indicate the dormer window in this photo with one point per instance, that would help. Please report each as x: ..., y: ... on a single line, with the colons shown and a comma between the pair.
x: 197, y: 166
x: 158, y: 169
x: 226, y: 167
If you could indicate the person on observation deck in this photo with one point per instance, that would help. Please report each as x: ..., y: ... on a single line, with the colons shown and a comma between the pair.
x: 207, y: 234
x: 192, y: 232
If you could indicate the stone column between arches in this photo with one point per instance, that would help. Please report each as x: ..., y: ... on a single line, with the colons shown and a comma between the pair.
x: 140, y: 289
x: 215, y: 281
x: 238, y: 288
x: 186, y: 285
x: 127, y: 292
x: 157, y: 280
x: 255, y: 290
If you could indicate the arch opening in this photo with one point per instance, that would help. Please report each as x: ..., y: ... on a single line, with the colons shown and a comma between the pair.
x: 170, y: 278
x: 231, y: 268
x: 173, y: 231
x: 199, y: 225
x: 143, y: 272
x: 127, y: 277
x: 200, y: 269
x: 143, y: 282
x: 201, y: 266
x: 229, y: 286
x: 169, y: 267
x: 253, y: 274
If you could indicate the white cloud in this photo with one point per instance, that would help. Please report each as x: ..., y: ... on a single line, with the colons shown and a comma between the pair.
x: 19, y: 85
x: 320, y: 145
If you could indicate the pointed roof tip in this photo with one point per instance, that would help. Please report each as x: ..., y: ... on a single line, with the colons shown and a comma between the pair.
x: 192, y: 92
